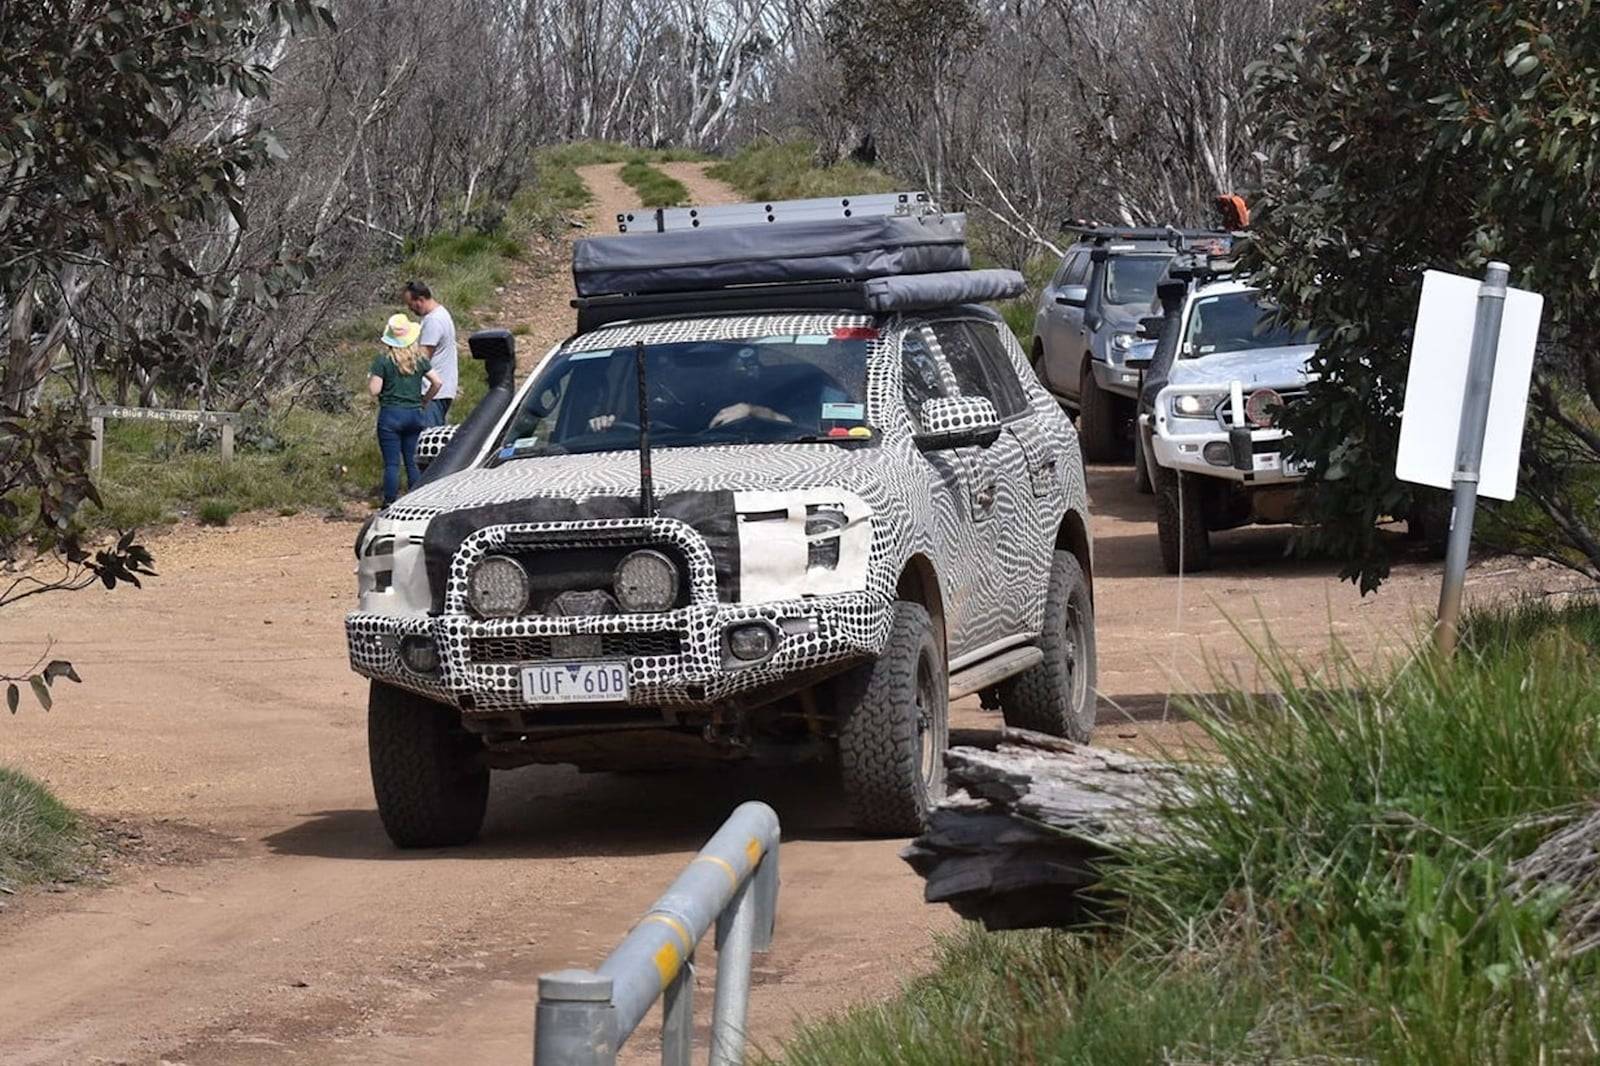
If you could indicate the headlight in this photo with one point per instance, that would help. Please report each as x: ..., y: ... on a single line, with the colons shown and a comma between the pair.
x: 1193, y: 405
x: 646, y: 581
x: 498, y: 587
x: 822, y: 550
x: 1122, y: 341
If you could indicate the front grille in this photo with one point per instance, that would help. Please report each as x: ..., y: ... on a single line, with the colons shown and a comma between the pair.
x: 532, y: 649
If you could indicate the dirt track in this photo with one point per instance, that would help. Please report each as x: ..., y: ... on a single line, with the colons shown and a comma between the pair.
x: 265, y: 918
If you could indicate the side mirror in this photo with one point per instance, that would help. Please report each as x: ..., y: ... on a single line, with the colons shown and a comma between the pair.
x: 430, y: 442
x: 1073, y: 295
x: 1150, y: 328
x: 1140, y: 356
x: 958, y: 422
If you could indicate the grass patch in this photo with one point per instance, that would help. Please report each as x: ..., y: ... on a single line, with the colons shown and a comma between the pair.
x: 655, y: 188
x: 788, y: 171
x: 216, y: 512
x: 40, y: 839
x: 1342, y: 888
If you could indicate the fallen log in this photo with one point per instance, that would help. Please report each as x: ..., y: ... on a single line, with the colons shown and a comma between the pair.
x: 1029, y: 826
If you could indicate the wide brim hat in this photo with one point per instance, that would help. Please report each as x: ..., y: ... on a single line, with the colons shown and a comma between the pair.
x: 401, y: 332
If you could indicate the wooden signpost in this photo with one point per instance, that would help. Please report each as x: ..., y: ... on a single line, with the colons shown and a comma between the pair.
x: 98, y: 415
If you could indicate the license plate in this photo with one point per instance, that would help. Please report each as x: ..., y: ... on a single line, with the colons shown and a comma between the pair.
x: 575, y: 683
x: 1266, y: 461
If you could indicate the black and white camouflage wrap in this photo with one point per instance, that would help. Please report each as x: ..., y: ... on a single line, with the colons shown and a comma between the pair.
x: 986, y: 519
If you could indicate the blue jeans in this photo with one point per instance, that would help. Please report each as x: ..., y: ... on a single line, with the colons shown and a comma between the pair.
x: 439, y: 411
x: 398, y: 429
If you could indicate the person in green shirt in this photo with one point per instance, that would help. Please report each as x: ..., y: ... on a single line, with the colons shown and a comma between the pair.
x: 404, y: 382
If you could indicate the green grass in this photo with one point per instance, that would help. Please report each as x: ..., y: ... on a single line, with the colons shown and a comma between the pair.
x: 1340, y: 890
x: 40, y: 839
x: 788, y: 171
x: 655, y: 188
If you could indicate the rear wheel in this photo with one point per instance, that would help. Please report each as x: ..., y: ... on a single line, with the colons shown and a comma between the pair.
x: 1181, y: 522
x: 1057, y: 696
x: 1097, y: 420
x: 428, y: 774
x: 896, y: 728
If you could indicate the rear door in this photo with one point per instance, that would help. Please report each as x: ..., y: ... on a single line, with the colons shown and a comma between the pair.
x: 1067, y: 337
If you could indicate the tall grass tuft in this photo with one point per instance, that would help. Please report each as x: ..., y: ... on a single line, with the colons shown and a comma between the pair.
x: 788, y: 171
x: 655, y: 188
x: 40, y: 839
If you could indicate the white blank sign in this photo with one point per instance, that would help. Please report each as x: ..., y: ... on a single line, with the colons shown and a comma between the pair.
x: 1436, y: 385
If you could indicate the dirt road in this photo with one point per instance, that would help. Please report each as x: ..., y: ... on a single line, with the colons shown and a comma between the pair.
x: 263, y: 917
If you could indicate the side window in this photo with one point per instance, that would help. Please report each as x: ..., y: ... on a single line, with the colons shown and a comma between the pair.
x: 1078, y: 270
x: 979, y: 369
x: 1010, y: 397
x: 1068, y: 262
x: 919, y: 376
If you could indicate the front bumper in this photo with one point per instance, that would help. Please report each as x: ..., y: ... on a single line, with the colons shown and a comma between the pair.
x: 674, y: 659
x: 1187, y: 451
x: 1115, y: 379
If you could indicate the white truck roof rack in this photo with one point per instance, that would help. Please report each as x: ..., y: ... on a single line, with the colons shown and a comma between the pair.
x: 678, y: 219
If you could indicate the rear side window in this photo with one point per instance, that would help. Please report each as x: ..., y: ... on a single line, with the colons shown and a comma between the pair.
x: 980, y: 365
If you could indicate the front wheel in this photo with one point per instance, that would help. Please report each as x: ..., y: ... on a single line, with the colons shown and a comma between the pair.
x: 1097, y: 420
x: 428, y: 774
x: 1181, y: 522
x: 1057, y: 696
x: 896, y: 727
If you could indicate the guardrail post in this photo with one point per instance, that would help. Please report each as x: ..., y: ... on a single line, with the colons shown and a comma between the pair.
x: 736, y: 929
x: 227, y: 441
x: 677, y: 1017
x: 575, y: 1024
x: 766, y: 888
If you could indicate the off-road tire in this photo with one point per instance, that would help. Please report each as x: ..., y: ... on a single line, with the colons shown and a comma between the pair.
x: 1097, y: 420
x: 1141, y: 466
x: 889, y: 706
x: 1185, y: 541
x: 1058, y: 695
x: 428, y: 774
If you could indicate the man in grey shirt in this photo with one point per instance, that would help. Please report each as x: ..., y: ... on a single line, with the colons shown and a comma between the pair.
x: 438, y: 344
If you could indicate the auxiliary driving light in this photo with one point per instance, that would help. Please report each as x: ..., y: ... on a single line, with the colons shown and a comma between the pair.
x: 498, y: 587
x: 751, y: 641
x: 646, y: 581
x: 1262, y: 407
x: 1219, y: 453
x: 420, y: 655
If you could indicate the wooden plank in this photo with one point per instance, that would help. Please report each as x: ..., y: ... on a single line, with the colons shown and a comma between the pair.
x: 97, y: 443
x: 166, y: 414
x: 1029, y: 825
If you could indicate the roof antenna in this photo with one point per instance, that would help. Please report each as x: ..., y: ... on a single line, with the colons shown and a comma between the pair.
x: 647, y: 487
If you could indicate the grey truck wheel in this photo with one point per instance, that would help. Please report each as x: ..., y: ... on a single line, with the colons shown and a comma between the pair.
x: 1057, y: 696
x: 428, y: 774
x: 1181, y: 522
x: 1097, y: 420
x: 896, y: 727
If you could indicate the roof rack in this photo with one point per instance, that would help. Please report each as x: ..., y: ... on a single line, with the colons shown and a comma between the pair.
x: 677, y: 219
x: 1202, y: 267
x: 1179, y: 239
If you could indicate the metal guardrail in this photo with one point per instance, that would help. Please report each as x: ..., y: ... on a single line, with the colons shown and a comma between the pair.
x: 584, y: 1017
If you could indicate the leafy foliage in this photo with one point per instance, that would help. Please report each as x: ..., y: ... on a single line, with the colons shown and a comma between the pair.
x: 1439, y: 134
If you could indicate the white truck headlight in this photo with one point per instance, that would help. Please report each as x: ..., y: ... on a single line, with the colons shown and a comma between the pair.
x: 1193, y: 404
x: 498, y: 587
x: 1122, y: 341
x: 645, y: 581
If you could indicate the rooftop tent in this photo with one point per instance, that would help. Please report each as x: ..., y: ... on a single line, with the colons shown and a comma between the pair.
x: 884, y: 253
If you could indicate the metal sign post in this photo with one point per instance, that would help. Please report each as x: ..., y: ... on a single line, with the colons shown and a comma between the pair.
x: 1469, y: 451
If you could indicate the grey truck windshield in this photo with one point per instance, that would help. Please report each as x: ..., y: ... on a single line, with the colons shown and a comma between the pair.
x: 761, y: 390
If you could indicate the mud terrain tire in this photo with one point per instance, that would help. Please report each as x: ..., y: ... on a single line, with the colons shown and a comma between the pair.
x: 428, y: 773
x: 1097, y: 420
x: 1058, y: 695
x: 1185, y: 541
x: 896, y: 727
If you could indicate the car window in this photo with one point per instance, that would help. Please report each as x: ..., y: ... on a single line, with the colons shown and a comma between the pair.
x: 920, y: 380
x: 1239, y: 322
x: 1077, y: 272
x: 760, y: 390
x: 979, y: 369
x: 1009, y: 395
x: 1068, y: 261
x: 1131, y: 280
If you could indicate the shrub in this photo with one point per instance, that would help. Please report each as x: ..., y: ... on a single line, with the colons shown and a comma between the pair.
x: 216, y: 512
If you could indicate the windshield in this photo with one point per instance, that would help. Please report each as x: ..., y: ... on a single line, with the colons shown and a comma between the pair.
x: 764, y: 390
x: 1132, y: 280
x: 1239, y: 322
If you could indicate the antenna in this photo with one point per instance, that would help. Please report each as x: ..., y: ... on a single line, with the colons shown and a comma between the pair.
x: 647, y: 488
